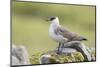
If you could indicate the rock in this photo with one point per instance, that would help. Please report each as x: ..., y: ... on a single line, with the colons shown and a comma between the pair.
x: 79, y: 47
x: 93, y: 53
x: 67, y: 51
x: 47, y: 59
x: 13, y: 50
x: 73, y: 51
x: 19, y: 55
x: 53, y: 57
x: 15, y: 61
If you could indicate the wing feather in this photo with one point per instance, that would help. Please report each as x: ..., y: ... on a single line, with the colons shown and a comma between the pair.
x: 71, y: 36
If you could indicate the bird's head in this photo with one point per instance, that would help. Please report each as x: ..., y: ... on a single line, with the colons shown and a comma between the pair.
x: 52, y: 18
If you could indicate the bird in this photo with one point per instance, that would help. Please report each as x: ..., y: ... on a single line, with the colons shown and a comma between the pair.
x: 59, y: 34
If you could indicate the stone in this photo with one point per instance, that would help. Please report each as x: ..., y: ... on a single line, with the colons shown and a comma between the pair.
x: 52, y: 57
x: 79, y: 47
x: 47, y: 59
x: 19, y: 55
x: 67, y: 51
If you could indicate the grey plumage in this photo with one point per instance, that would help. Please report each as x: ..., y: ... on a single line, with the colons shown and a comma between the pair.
x: 71, y: 36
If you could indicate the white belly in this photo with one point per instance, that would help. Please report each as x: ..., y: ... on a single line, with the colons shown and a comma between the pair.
x: 58, y: 38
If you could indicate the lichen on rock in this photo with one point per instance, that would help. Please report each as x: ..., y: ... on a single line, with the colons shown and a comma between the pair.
x: 52, y: 57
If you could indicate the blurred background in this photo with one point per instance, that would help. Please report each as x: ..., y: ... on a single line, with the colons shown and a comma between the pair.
x: 30, y: 29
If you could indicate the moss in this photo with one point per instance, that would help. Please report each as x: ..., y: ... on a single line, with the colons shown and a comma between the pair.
x: 55, y: 58
x: 75, y: 57
x: 66, y: 59
x: 78, y: 57
x: 35, y: 58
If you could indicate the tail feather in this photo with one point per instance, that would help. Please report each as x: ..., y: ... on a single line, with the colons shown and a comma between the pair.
x: 84, y: 39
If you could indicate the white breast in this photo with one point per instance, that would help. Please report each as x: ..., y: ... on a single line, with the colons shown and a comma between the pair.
x: 56, y: 37
x: 53, y: 26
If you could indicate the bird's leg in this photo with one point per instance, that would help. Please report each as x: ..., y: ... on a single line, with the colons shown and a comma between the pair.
x: 58, y: 50
x: 62, y: 46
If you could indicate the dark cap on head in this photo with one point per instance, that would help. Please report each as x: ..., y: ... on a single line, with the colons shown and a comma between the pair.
x: 51, y: 18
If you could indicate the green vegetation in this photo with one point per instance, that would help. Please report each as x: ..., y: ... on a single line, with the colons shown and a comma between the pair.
x: 62, y: 58
x: 35, y: 58
x: 30, y: 29
x: 55, y: 58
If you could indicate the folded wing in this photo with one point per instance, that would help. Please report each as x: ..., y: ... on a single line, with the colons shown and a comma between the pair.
x: 71, y: 36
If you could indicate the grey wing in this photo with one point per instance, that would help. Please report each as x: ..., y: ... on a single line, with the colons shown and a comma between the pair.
x: 71, y: 36
x: 64, y: 32
x: 79, y: 38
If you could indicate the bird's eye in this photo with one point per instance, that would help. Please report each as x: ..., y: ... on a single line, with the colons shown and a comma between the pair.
x: 52, y: 18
